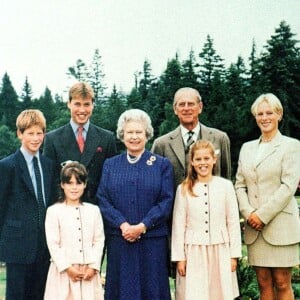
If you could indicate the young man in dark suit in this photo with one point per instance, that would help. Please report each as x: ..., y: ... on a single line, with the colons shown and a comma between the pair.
x: 26, y: 178
x: 80, y: 140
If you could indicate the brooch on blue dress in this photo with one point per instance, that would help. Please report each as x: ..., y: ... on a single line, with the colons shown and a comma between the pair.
x: 151, y: 160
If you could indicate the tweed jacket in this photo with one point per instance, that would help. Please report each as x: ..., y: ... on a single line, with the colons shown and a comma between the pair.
x: 60, y: 145
x: 19, y: 229
x: 267, y: 186
x: 210, y: 218
x: 74, y: 235
x: 171, y: 145
x: 134, y: 193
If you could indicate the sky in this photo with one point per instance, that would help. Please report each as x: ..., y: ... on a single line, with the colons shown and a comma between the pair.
x: 42, y: 39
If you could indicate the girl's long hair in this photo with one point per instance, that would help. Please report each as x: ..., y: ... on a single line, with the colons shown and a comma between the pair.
x: 192, y: 176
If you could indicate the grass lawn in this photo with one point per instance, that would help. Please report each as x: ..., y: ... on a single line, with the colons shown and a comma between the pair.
x: 2, y: 282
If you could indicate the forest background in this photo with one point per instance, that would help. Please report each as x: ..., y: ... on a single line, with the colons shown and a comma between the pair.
x: 227, y: 92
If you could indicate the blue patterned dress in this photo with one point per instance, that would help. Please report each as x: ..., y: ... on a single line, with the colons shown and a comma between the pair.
x: 134, y: 193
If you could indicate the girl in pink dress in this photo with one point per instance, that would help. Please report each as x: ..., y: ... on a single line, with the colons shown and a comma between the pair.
x: 75, y: 238
x: 206, y: 240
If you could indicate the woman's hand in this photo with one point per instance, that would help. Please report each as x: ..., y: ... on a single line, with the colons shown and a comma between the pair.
x: 233, y: 264
x: 75, y: 274
x: 89, y: 273
x: 131, y: 233
x: 255, y: 222
x: 181, y: 267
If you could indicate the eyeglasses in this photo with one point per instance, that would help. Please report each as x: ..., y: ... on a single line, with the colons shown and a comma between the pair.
x: 191, y: 104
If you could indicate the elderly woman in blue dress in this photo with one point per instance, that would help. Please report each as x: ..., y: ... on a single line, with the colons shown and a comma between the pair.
x: 136, y: 197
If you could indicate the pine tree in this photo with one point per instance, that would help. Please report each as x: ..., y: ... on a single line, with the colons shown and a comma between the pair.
x: 9, y: 104
x: 8, y: 141
x: 210, y: 64
x: 96, y: 77
x: 46, y: 105
x: 189, y: 75
x: 26, y: 95
x: 280, y: 70
x: 79, y: 71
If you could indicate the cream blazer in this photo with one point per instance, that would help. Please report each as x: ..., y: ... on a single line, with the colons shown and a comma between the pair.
x: 206, y: 220
x: 74, y: 235
x: 267, y: 186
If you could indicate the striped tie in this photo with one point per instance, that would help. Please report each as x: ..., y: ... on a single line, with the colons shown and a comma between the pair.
x: 189, y: 141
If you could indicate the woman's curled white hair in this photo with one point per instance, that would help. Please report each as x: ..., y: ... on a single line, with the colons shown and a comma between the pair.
x: 136, y: 115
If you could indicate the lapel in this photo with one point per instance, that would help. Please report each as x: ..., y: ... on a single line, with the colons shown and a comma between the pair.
x: 24, y: 173
x: 69, y: 144
x: 206, y: 133
x: 274, y: 146
x: 176, y: 143
x: 90, y: 146
x: 46, y: 178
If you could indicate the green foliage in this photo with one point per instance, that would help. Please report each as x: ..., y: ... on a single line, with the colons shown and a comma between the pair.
x: 227, y: 93
x: 247, y: 280
x: 9, y: 104
x: 8, y: 141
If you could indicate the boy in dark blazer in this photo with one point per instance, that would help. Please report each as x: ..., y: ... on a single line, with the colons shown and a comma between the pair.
x: 94, y: 146
x: 26, y: 178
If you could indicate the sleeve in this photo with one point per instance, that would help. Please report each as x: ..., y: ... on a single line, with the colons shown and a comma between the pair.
x: 5, y: 189
x: 48, y: 148
x: 225, y: 157
x: 233, y: 222
x: 290, y: 176
x: 178, y: 227
x: 162, y: 210
x: 109, y: 213
x: 98, y: 240
x: 53, y: 240
x: 112, y: 148
x: 241, y: 188
x: 156, y: 148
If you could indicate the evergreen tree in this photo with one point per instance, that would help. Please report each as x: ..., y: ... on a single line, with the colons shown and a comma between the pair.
x: 189, y: 75
x: 96, y: 77
x: 116, y: 105
x: 169, y: 82
x: 26, y: 95
x: 79, y: 71
x: 210, y: 64
x: 134, y: 99
x: 8, y: 141
x: 46, y: 105
x: 9, y: 104
x: 146, y: 81
x: 280, y: 70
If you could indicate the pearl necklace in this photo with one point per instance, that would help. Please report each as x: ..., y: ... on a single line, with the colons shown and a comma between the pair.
x: 133, y: 159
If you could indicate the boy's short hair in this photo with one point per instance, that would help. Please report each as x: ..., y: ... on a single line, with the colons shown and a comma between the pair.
x: 82, y: 90
x: 30, y: 117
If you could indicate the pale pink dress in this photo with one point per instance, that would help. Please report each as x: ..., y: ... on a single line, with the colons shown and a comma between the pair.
x: 75, y: 237
x: 206, y: 234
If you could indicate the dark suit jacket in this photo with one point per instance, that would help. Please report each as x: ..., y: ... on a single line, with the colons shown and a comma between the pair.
x: 60, y: 145
x: 19, y: 230
x: 171, y: 145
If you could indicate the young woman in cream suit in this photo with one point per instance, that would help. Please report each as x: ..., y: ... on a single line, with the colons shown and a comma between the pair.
x: 75, y: 239
x: 267, y: 178
x: 206, y: 239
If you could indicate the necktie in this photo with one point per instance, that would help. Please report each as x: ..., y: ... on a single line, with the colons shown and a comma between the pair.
x: 80, y: 139
x: 189, y: 141
x: 39, y: 192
